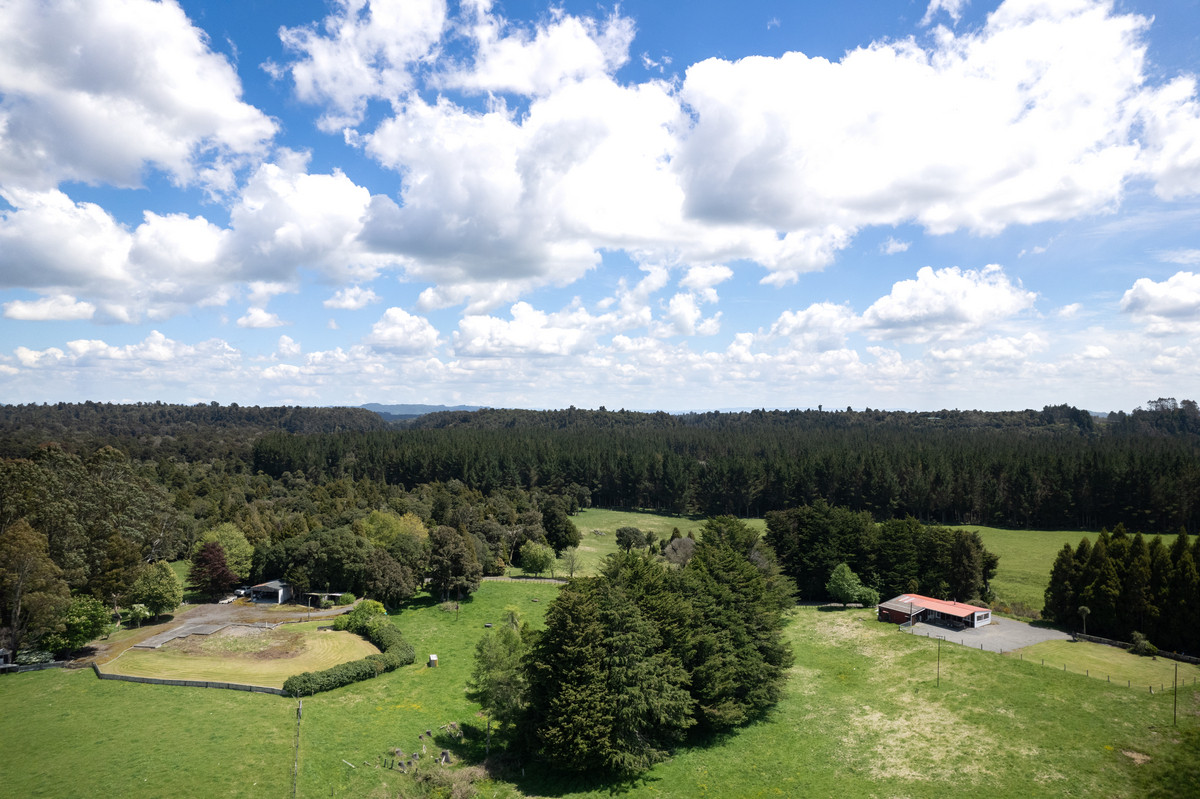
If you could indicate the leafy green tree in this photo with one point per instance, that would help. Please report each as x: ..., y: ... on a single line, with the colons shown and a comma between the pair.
x: 536, y: 558
x: 239, y: 554
x: 570, y: 560
x: 498, y: 680
x: 158, y: 588
x: 210, y: 575
x: 630, y: 537
x: 388, y: 579
x: 844, y: 585
x: 137, y: 613
x: 33, y: 595
x: 84, y: 620
x: 454, y: 569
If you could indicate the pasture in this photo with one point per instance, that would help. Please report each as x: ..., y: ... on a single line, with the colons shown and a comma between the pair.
x: 1104, y: 662
x: 594, y: 548
x: 247, y: 655
x: 862, y: 715
x: 1026, y: 557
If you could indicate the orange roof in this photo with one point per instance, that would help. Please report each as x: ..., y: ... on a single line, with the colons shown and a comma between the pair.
x: 940, y: 605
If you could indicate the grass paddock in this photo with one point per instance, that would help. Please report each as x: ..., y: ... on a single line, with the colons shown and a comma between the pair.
x: 1109, y: 662
x: 863, y: 714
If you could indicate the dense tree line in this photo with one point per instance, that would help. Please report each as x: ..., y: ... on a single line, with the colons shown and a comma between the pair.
x: 98, y: 525
x: 156, y: 429
x: 635, y: 660
x: 894, y: 557
x: 1051, y: 469
x: 1122, y: 584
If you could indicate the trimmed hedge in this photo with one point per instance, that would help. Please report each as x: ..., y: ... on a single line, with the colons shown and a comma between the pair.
x: 376, y: 628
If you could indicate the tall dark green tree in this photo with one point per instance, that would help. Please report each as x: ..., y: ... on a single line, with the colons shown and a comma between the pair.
x: 737, y: 657
x: 1061, y: 596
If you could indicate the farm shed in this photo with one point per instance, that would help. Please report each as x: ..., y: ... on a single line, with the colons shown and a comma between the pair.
x: 915, y: 608
x: 276, y: 591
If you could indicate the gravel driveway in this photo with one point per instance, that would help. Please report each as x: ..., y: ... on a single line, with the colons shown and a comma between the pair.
x: 1002, y: 635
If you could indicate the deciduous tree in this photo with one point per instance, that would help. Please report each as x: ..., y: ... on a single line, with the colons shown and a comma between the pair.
x: 210, y: 575
x: 158, y: 588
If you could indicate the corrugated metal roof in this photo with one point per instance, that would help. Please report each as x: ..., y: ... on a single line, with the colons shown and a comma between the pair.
x: 959, y: 609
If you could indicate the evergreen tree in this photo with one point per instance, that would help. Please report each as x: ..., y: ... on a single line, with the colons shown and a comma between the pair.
x: 736, y: 656
x: 1157, y: 609
x: 570, y: 711
x: 33, y: 594
x: 1182, y: 604
x: 1061, y: 598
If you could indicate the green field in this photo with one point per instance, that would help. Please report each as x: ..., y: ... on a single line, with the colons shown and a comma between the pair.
x: 598, y: 527
x: 247, y: 655
x: 1107, y: 662
x: 1026, y: 557
x: 861, y: 716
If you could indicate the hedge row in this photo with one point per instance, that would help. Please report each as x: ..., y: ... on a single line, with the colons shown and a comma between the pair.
x: 376, y: 628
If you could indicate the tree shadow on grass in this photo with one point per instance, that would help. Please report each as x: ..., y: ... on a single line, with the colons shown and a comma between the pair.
x: 532, y: 776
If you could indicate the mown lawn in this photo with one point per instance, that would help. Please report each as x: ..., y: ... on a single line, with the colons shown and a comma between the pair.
x: 245, y: 655
x: 68, y: 734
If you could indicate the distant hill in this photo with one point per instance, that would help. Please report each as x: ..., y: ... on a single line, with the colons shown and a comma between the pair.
x: 400, y: 412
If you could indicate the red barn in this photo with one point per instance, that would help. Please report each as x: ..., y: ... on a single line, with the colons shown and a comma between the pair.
x: 915, y: 608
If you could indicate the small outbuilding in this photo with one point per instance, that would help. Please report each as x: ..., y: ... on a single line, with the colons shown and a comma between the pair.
x: 913, y: 608
x: 276, y: 591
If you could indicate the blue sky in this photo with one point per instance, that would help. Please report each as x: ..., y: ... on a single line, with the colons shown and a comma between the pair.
x: 651, y: 205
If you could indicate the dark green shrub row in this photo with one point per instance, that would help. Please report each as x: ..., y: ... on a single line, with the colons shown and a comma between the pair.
x: 376, y: 628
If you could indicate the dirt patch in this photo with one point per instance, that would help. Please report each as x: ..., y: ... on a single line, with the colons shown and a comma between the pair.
x: 917, y: 741
x: 1136, y: 757
x: 237, y: 641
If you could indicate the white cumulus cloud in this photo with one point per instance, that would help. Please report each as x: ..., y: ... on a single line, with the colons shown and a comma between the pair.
x: 400, y: 331
x: 59, y: 307
x: 946, y: 303
x: 97, y: 90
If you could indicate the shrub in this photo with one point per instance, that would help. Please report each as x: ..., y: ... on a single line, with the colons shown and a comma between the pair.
x: 1142, y: 646
x: 377, y: 628
x: 356, y: 620
x: 347, y: 599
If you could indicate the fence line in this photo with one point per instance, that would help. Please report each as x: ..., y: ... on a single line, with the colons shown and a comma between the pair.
x: 232, y: 686
x: 1095, y: 639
